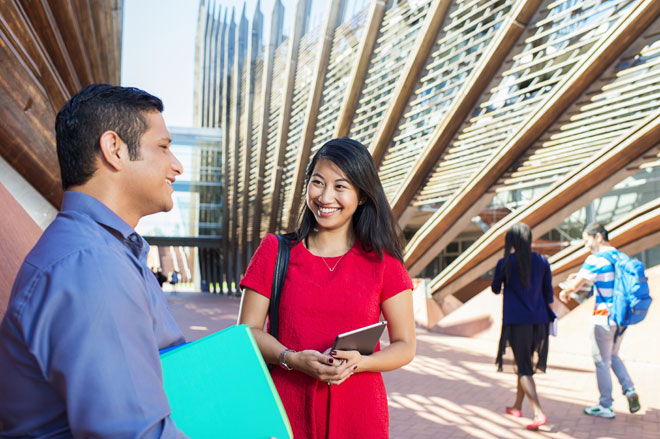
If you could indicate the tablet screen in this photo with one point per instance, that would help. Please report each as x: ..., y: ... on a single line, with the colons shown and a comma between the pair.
x: 363, y: 339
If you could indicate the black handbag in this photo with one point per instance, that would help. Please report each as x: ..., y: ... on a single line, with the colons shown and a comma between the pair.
x: 281, y: 266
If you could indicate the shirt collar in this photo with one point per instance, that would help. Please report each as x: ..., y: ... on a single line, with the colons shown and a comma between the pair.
x: 96, y: 210
x: 103, y: 215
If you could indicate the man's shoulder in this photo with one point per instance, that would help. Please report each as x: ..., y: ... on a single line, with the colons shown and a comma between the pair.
x: 605, y: 256
x: 64, y: 262
x: 597, y: 262
x: 69, y: 233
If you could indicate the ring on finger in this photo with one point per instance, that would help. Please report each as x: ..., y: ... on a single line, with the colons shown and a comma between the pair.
x: 329, y: 383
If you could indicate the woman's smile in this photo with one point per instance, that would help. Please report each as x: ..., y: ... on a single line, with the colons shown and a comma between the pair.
x: 327, y: 211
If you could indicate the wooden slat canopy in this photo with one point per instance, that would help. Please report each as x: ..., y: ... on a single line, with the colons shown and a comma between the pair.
x: 360, y: 66
x: 285, y: 115
x: 463, y: 60
x: 470, y: 108
x: 275, y: 108
x: 536, y: 112
x: 269, y: 88
x: 590, y: 181
x: 408, y: 77
x: 310, y: 116
x: 626, y: 93
x: 633, y: 233
x: 397, y: 35
x: 348, y: 44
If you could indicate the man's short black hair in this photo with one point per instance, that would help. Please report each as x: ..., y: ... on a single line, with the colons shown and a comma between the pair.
x: 94, y: 110
x: 595, y: 228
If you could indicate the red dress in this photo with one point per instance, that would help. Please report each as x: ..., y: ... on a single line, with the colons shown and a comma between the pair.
x: 316, y: 305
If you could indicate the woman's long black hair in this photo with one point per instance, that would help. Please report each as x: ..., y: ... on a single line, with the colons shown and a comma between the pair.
x: 519, y: 237
x: 373, y: 222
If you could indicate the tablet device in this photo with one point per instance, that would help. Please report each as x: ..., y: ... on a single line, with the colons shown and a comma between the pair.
x: 363, y: 339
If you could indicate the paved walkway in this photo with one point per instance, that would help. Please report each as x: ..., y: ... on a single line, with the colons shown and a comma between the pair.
x: 451, y: 389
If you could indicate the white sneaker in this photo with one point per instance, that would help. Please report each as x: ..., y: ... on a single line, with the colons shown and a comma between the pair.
x: 633, y: 400
x: 600, y: 411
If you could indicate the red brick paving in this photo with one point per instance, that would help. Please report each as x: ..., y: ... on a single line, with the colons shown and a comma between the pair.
x: 452, y: 390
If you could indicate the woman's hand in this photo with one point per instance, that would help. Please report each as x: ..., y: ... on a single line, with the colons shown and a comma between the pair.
x: 323, y: 367
x: 349, y: 359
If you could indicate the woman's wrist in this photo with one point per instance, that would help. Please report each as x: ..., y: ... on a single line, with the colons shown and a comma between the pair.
x: 285, y: 358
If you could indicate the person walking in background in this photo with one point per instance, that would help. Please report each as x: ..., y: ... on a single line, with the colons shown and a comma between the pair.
x: 79, y: 341
x: 174, y: 279
x: 604, y: 336
x: 160, y: 277
x: 345, y: 268
x: 526, y: 314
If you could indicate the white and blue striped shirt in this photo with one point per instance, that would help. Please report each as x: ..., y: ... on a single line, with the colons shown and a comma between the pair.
x: 600, y: 271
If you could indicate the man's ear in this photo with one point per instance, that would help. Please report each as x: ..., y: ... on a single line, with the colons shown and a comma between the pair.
x: 111, y: 149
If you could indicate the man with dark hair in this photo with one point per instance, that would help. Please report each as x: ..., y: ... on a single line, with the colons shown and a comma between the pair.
x: 605, y: 339
x: 79, y: 342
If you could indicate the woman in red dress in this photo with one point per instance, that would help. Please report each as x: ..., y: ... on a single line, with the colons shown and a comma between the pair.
x: 345, y: 269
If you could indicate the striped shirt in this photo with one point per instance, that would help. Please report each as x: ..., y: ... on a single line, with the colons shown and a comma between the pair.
x: 600, y: 271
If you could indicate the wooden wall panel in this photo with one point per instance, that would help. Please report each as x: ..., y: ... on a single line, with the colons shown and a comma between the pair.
x: 49, y: 49
x: 27, y: 140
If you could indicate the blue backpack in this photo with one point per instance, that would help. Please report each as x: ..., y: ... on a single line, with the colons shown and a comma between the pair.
x: 630, y: 296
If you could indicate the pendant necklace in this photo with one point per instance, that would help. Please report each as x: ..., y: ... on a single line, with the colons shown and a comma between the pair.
x: 336, y: 263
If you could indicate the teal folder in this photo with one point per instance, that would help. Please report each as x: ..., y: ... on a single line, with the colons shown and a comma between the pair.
x: 220, y: 387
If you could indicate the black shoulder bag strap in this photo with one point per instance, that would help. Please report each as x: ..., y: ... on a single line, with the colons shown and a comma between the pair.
x: 281, y: 266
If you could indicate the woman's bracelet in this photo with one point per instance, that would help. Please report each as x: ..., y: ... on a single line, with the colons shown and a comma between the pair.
x: 283, y: 362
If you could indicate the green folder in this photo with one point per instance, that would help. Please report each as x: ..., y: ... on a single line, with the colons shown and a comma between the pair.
x: 220, y: 387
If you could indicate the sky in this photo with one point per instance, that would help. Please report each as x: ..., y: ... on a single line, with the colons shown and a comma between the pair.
x: 158, y: 56
x: 158, y: 48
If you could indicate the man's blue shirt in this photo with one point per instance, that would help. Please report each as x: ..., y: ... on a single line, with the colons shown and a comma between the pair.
x: 600, y: 271
x: 79, y: 341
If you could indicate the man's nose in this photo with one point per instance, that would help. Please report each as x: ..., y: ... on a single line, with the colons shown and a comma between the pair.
x: 176, y: 165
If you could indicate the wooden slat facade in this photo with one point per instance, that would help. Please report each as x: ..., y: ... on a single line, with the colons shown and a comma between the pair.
x: 397, y: 35
x: 343, y: 57
x: 503, y: 129
x: 308, y: 58
x: 454, y: 57
x: 287, y: 109
x: 468, y: 106
x: 277, y: 88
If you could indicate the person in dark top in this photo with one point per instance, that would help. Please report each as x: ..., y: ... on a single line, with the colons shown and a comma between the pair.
x: 160, y: 277
x: 526, y: 314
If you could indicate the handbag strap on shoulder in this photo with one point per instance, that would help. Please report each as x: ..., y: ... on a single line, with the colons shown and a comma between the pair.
x: 281, y: 266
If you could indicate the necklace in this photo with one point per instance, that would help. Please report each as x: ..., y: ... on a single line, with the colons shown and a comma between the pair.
x: 336, y: 263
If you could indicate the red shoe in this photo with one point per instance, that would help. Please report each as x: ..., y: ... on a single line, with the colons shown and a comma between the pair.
x: 513, y: 412
x: 541, y: 421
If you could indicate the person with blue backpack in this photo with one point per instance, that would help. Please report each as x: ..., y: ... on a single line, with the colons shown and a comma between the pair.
x: 622, y: 299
